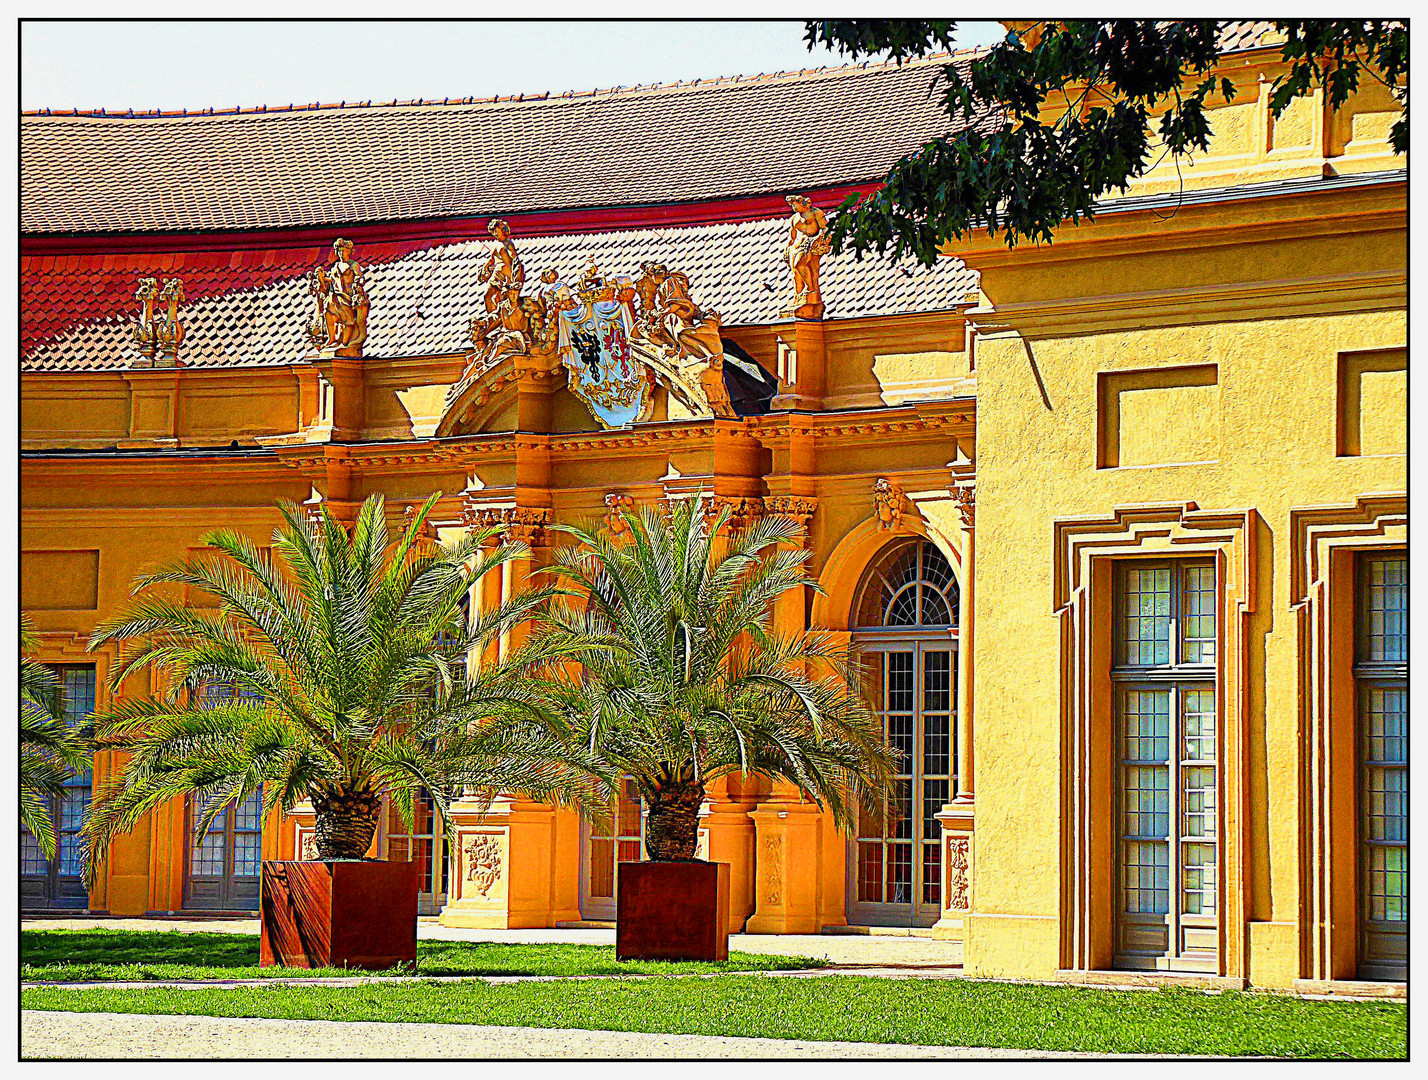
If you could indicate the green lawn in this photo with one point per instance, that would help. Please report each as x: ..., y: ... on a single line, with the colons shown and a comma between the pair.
x: 127, y: 955
x: 850, y: 1008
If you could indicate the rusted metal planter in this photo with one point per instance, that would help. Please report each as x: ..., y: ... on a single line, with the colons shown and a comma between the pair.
x: 338, y: 914
x: 672, y: 911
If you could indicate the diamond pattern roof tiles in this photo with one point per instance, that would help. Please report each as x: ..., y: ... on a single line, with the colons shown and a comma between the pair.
x: 251, y: 310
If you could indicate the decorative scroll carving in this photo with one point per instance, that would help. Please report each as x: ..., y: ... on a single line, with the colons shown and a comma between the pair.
x: 339, y: 291
x: 888, y: 502
x: 483, y: 861
x: 965, y: 496
x: 307, y: 845
x: 771, y: 853
x: 158, y: 333
x: 616, y: 506
x: 799, y: 507
x: 958, y: 885
x: 808, y: 241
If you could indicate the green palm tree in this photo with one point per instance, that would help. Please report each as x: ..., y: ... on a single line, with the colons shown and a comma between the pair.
x: 344, y: 663
x: 50, y: 750
x: 671, y: 673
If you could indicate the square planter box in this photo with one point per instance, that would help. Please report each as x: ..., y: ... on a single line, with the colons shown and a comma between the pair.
x: 339, y: 914
x: 672, y: 911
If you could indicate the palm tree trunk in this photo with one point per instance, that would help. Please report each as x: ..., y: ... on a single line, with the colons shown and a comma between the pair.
x: 346, y: 822
x: 672, y: 825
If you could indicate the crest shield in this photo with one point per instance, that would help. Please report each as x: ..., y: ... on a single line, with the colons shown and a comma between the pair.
x: 602, y: 371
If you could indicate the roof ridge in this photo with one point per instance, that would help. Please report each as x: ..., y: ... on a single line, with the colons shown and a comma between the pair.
x: 827, y: 70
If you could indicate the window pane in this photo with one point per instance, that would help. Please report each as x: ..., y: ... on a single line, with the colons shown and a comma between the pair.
x: 932, y: 873
x: 1145, y: 796
x: 1198, y: 861
x: 1146, y: 874
x: 1197, y: 622
x: 1198, y: 707
x: 1197, y: 815
x: 870, y: 873
x: 1388, y: 884
x: 1385, y: 632
x: 1144, y: 616
x: 1145, y: 718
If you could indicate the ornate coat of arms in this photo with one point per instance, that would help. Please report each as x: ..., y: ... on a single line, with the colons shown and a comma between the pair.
x: 594, y: 344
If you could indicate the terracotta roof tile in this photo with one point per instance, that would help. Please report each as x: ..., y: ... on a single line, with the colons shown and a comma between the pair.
x: 685, y: 143
x: 424, y: 299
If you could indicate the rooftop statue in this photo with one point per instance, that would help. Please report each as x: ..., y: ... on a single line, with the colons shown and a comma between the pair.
x: 339, y: 325
x: 503, y: 275
x: 808, y: 242
x: 158, y: 334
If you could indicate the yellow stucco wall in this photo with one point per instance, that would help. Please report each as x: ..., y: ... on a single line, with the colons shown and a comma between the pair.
x: 1206, y: 363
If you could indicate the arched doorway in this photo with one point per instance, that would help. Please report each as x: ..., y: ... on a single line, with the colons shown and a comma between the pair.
x: 905, y: 625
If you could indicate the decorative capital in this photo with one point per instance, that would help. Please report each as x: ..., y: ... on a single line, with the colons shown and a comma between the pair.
x: 799, y: 507
x: 888, y: 502
x: 965, y: 496
x: 524, y: 523
x: 743, y: 511
x: 616, y: 506
x: 428, y: 530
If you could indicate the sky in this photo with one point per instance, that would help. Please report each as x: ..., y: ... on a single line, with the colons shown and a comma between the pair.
x: 197, y: 65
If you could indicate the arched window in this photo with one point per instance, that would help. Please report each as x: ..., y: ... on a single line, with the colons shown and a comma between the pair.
x: 905, y: 624
x: 910, y: 584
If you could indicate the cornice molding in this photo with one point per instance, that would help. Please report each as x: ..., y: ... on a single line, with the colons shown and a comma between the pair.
x: 1284, y: 298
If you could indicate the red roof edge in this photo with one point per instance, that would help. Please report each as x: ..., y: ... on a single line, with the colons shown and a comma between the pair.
x: 540, y: 223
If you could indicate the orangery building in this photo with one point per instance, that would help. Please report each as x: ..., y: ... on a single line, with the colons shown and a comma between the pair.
x: 1118, y: 522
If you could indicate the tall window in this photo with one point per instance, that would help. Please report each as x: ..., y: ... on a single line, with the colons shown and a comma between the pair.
x: 44, y: 883
x: 1163, y: 684
x: 906, y: 620
x: 224, y: 863
x: 1381, y: 678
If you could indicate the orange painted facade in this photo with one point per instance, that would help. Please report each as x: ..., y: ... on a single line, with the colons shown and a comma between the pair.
x: 1218, y: 382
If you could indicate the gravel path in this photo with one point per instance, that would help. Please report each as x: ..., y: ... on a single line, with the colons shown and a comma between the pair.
x: 118, y: 1035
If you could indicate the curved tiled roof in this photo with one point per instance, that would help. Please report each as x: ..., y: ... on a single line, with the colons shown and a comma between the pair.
x: 251, y: 309
x: 683, y: 143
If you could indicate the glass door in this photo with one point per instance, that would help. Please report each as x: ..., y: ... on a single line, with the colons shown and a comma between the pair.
x: 45, y: 884
x: 615, y: 837
x: 420, y: 844
x: 224, y: 864
x: 896, y: 866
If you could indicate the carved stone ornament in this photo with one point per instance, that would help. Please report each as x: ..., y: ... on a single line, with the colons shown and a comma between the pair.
x: 428, y: 530
x: 771, y: 852
x: 808, y: 241
x: 616, y: 506
x: 965, y: 496
x: 307, y: 845
x: 743, y: 511
x: 483, y: 861
x: 340, y: 304
x: 158, y: 332
x: 888, y: 501
x: 616, y: 337
x: 799, y: 507
x: 526, y: 524
x: 958, y: 885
